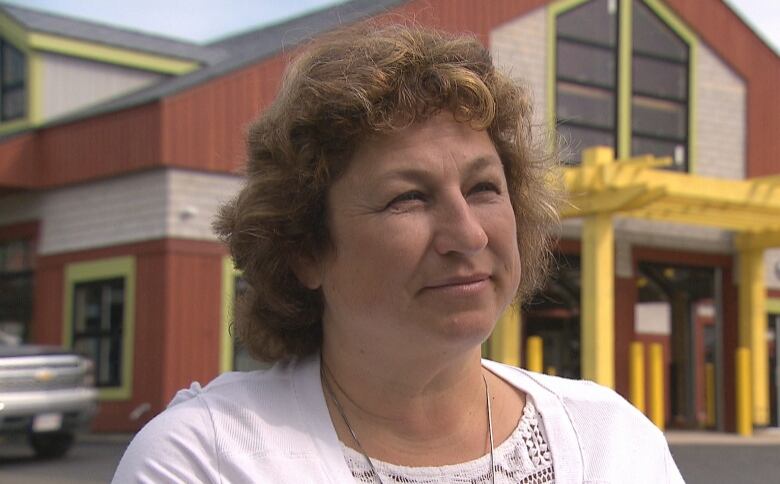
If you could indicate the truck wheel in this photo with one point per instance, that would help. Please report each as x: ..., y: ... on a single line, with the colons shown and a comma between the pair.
x: 51, y: 445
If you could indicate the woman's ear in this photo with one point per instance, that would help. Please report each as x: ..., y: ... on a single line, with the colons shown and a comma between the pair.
x: 308, y: 270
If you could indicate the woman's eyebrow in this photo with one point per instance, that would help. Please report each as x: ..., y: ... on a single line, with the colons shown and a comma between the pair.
x: 417, y: 174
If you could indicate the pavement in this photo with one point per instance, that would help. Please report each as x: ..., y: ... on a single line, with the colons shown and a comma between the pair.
x: 766, y: 436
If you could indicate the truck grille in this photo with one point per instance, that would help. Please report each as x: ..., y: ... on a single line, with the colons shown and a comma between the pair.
x: 31, y: 383
x: 25, y: 374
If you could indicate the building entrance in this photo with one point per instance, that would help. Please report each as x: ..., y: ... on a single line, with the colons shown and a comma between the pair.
x: 679, y: 307
x: 554, y: 315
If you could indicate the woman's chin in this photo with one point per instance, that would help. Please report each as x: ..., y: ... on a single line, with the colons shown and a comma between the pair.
x: 465, y: 331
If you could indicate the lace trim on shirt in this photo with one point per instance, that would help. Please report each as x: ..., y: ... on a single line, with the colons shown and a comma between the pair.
x: 523, y: 458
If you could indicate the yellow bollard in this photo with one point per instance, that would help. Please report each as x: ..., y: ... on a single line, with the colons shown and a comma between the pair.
x: 657, y: 410
x: 637, y: 372
x: 552, y: 371
x: 535, y: 357
x: 744, y: 404
x: 709, y: 393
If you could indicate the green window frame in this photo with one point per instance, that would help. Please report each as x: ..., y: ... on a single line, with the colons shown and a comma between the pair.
x: 114, y: 334
x: 13, y: 82
x: 627, y: 84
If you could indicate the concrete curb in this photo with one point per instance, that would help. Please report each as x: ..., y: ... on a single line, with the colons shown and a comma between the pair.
x: 770, y: 436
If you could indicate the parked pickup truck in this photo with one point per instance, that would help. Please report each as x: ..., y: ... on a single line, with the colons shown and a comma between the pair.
x: 46, y: 394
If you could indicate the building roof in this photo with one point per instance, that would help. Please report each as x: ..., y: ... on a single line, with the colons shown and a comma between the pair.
x: 245, y: 49
x: 114, y: 36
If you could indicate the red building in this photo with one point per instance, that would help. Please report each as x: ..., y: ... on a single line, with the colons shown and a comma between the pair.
x: 116, y: 149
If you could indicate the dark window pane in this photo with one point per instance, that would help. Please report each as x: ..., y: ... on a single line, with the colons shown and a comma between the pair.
x: 87, y: 347
x: 13, y: 103
x: 586, y: 64
x: 98, y: 318
x: 15, y: 256
x: 593, y: 21
x: 659, y: 118
x: 576, y: 139
x: 586, y: 105
x: 652, y: 36
x: 16, y: 298
x: 660, y: 78
x: 13, y: 65
x: 647, y: 146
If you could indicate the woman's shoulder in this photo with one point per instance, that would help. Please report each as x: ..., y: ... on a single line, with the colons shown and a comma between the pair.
x: 237, y: 413
x: 573, y: 393
x: 616, y: 442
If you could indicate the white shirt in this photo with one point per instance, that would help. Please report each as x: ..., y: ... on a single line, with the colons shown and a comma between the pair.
x: 273, y: 426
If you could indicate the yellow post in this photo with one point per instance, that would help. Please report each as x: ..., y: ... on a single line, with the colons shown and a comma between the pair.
x: 552, y: 371
x: 637, y: 372
x: 535, y: 356
x: 709, y: 393
x: 744, y: 407
x: 598, y: 287
x: 752, y: 328
x: 505, y: 341
x: 657, y: 410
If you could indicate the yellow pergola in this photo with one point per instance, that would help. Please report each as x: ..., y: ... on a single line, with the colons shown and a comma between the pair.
x: 602, y: 187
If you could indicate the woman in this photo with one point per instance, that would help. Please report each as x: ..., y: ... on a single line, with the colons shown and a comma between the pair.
x: 394, y: 207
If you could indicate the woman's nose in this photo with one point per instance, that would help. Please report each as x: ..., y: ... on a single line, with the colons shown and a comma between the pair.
x: 458, y: 228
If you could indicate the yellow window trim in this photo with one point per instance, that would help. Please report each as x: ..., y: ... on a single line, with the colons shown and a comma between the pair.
x: 111, y: 55
x: 773, y: 305
x: 229, y: 273
x: 13, y: 32
x: 105, y: 269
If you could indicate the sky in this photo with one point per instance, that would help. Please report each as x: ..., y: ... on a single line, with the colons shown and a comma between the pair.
x: 206, y: 20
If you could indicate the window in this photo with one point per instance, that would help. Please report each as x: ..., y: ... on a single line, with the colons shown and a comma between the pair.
x: 659, y: 94
x: 16, y: 287
x: 13, y: 98
x: 586, y: 75
x: 590, y: 85
x: 99, y: 320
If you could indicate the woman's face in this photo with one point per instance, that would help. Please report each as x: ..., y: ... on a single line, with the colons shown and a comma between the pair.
x: 424, y: 245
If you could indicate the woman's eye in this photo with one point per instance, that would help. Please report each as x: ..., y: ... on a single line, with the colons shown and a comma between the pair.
x: 404, y: 198
x: 486, y: 187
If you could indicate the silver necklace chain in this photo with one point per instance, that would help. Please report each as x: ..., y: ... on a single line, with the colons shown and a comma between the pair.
x: 352, y: 432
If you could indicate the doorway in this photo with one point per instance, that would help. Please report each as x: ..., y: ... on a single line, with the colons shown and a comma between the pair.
x: 554, y: 315
x: 679, y: 306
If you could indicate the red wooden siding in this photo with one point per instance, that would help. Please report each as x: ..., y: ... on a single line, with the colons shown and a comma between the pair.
x: 20, y: 231
x: 468, y: 16
x: 192, y: 318
x: 625, y: 301
x: 203, y: 127
x: 19, y: 163
x: 102, y: 146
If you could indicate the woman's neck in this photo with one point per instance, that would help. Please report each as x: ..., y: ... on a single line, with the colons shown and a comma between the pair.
x: 408, y: 410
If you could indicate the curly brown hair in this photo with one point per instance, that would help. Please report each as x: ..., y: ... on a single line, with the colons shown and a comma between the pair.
x: 345, y: 86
